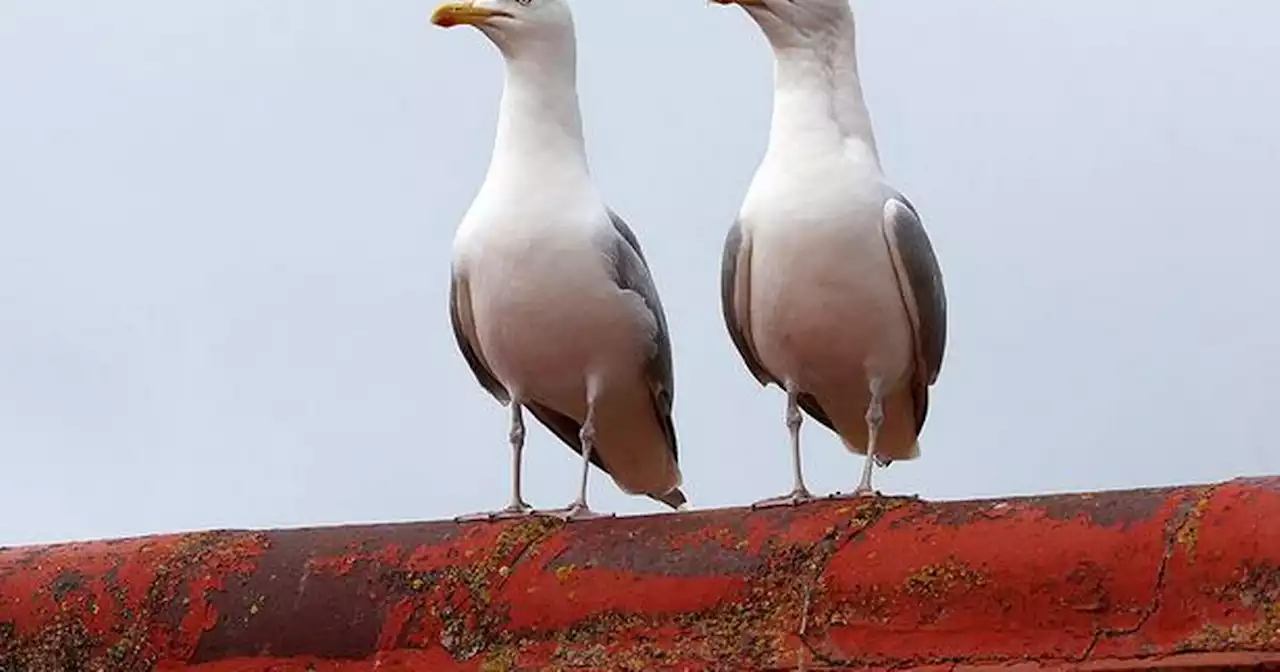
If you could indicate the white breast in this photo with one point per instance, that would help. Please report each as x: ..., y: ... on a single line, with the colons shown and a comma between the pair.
x: 825, y: 306
x: 548, y: 313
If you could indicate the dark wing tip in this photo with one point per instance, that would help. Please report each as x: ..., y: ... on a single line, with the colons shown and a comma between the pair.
x: 674, y: 499
x: 810, y: 404
x: 662, y: 407
x: 565, y: 428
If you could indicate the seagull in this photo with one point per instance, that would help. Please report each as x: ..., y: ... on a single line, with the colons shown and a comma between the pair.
x: 551, y: 299
x: 829, y: 285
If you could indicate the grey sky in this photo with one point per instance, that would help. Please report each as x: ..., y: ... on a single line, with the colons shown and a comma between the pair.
x: 225, y: 228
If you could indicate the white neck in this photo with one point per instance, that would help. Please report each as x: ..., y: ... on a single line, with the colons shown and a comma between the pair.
x: 817, y: 98
x: 539, y: 123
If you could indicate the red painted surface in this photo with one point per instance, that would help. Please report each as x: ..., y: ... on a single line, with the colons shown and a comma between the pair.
x: 1169, y: 578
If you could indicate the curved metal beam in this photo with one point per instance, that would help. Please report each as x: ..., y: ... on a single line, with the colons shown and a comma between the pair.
x: 1170, y: 577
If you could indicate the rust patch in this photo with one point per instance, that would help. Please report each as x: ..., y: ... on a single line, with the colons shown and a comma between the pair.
x: 1263, y: 634
x: 453, y: 605
x: 1266, y: 483
x: 66, y: 582
x: 960, y: 514
x: 1257, y: 590
x: 1108, y: 509
x: 168, y: 597
x: 291, y: 609
x: 26, y: 558
x: 955, y: 514
x: 827, y: 586
x: 1089, y: 583
x: 767, y: 625
x: 646, y: 547
x: 749, y: 630
x: 69, y: 604
x: 1260, y: 586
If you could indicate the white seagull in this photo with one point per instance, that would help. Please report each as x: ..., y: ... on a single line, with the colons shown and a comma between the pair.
x: 551, y: 299
x: 829, y: 284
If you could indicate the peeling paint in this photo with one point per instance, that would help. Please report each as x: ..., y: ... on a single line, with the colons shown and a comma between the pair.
x: 1258, y: 591
x: 888, y: 583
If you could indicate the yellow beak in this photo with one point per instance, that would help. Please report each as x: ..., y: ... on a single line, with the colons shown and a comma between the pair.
x: 453, y: 14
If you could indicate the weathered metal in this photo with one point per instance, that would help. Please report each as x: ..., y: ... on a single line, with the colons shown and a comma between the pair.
x: 1176, y: 577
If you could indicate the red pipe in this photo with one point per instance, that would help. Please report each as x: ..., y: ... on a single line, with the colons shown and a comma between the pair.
x: 1175, y: 577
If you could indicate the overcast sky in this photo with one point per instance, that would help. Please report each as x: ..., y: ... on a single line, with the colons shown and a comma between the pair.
x: 225, y: 230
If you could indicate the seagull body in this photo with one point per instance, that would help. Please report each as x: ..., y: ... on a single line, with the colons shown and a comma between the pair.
x: 832, y: 322
x: 830, y: 288
x: 552, y: 302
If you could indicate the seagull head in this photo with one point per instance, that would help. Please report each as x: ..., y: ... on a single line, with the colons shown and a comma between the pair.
x: 515, y: 26
x: 798, y: 23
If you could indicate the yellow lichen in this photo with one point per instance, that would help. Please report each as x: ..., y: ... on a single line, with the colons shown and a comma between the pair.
x: 1261, y: 634
x: 499, y: 661
x: 1259, y: 590
x: 1189, y: 531
x: 935, y: 581
x: 471, y: 626
x: 783, y: 597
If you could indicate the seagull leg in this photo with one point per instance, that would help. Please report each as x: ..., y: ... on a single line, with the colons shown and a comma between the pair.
x: 579, y: 510
x: 799, y: 494
x: 517, y: 508
x: 875, y: 419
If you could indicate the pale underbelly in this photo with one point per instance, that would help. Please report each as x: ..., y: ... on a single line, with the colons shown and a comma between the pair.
x: 549, y: 334
x: 830, y: 316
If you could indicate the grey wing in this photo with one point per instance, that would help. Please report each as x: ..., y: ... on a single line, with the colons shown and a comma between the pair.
x: 464, y: 331
x: 920, y: 284
x: 735, y: 304
x: 631, y: 272
x: 735, y: 299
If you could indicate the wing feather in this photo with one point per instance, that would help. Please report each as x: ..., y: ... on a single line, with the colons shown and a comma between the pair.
x: 735, y: 304
x: 631, y: 272
x: 920, y: 285
x: 735, y: 299
x: 464, y: 332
